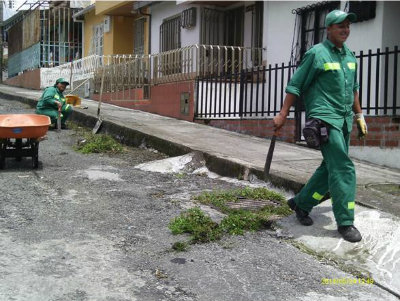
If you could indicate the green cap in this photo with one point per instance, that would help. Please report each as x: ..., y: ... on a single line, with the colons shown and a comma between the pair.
x: 62, y: 80
x: 337, y: 16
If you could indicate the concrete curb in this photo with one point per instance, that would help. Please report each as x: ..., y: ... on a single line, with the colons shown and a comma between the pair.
x: 132, y: 137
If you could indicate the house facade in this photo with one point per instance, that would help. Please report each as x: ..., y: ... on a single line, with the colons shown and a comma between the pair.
x: 43, y: 35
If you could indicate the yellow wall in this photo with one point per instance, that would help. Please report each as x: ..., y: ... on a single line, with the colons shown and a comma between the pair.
x: 103, y: 7
x: 90, y: 20
x: 123, y: 34
x: 120, y: 38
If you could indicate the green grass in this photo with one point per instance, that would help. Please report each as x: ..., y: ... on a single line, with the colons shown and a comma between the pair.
x: 194, y: 222
x: 202, y: 229
x: 99, y: 143
x: 180, y: 246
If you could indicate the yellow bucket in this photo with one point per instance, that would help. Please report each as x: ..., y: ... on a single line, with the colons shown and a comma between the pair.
x: 73, y: 100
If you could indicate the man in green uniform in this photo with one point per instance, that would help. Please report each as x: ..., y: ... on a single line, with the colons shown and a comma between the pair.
x: 53, y: 100
x: 327, y: 81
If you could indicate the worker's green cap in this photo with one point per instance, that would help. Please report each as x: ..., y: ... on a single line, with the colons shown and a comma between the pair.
x: 62, y: 80
x: 337, y: 16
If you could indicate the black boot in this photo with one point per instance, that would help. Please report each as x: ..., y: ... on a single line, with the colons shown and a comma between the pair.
x: 302, y: 216
x: 350, y: 233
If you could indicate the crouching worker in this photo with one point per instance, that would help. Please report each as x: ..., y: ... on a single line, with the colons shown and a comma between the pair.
x: 53, y: 100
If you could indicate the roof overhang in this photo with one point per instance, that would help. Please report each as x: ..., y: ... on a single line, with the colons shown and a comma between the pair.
x: 84, y: 11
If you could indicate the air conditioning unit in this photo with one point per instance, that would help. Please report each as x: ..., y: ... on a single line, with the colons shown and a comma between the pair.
x: 188, y: 18
x: 107, y: 23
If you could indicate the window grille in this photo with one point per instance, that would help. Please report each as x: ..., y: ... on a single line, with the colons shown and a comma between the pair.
x: 170, y: 34
x: 98, y: 39
x: 188, y: 18
x: 138, y: 47
x: 312, y: 23
x: 170, y: 39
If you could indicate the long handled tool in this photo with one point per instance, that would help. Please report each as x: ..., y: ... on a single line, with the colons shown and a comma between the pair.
x: 59, y: 120
x: 269, y: 155
x: 99, y: 118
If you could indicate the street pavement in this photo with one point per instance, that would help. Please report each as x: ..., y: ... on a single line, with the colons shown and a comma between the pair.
x: 243, y: 156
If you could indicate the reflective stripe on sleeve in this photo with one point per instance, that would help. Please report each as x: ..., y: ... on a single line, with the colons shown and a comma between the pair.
x: 351, y: 205
x: 317, y: 196
x: 351, y: 66
x: 331, y: 66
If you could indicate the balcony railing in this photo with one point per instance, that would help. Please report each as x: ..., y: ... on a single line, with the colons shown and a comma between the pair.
x: 180, y: 64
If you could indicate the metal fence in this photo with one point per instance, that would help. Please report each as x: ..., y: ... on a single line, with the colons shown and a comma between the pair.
x: 259, y: 92
x: 186, y: 63
x: 379, y: 81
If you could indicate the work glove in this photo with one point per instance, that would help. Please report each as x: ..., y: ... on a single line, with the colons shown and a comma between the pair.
x: 361, y: 126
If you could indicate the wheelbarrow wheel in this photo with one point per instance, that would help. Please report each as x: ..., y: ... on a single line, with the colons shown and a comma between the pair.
x: 18, y: 146
x: 2, y: 155
x: 2, y: 162
x: 35, y: 156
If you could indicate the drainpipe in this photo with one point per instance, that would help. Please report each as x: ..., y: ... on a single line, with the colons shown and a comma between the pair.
x: 147, y: 15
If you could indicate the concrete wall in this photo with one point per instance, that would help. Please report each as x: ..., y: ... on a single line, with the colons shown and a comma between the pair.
x: 166, y: 9
x: 28, y: 79
x: 164, y: 99
x: 391, y: 24
x: 375, y: 33
x: 368, y: 34
x: 91, y: 20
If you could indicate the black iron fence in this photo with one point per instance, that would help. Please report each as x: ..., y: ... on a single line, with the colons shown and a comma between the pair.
x: 259, y: 92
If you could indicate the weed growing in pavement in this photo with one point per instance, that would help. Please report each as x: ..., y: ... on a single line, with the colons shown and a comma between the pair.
x: 90, y: 143
x: 180, y: 246
x: 99, y: 143
x: 200, y: 226
x: 202, y: 229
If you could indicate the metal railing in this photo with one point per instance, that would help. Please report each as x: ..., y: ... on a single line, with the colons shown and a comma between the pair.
x: 181, y: 64
x: 123, y: 76
x: 379, y: 81
x: 253, y: 93
x: 259, y: 92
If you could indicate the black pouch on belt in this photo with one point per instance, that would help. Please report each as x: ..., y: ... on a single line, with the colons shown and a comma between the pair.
x: 315, y: 133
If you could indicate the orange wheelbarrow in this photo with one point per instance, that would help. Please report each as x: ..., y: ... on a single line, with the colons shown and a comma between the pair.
x: 20, y: 135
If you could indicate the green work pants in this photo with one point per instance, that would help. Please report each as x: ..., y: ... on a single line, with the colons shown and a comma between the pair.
x: 66, y: 111
x: 336, y: 174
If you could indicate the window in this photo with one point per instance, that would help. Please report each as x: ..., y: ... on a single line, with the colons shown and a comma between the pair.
x: 170, y: 39
x: 138, y: 38
x: 312, y: 25
x: 170, y: 34
x: 257, y: 31
x: 98, y: 39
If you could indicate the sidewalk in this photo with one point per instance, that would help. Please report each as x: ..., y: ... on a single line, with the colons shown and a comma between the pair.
x: 237, y: 155
x: 228, y: 153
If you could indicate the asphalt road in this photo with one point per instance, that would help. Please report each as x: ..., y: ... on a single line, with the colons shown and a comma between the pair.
x: 93, y: 227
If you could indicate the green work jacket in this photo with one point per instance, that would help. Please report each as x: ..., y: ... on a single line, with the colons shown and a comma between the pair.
x: 49, y: 97
x: 327, y: 79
